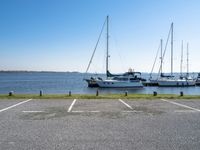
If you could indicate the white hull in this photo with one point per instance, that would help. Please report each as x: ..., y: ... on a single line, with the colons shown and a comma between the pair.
x: 176, y: 82
x: 119, y: 84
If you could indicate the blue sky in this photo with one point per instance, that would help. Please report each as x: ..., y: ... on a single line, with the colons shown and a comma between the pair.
x: 60, y: 35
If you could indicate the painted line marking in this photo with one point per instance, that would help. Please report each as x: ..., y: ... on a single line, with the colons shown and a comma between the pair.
x: 32, y: 111
x: 94, y: 111
x: 77, y: 111
x: 131, y: 111
x: 80, y: 111
x: 71, y: 106
x: 184, y: 111
x: 127, y: 105
x: 7, y: 108
x: 182, y: 105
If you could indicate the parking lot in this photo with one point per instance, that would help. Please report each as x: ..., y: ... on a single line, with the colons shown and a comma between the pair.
x: 99, y: 124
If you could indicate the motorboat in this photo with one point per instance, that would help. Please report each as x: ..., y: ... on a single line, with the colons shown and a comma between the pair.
x: 128, y: 80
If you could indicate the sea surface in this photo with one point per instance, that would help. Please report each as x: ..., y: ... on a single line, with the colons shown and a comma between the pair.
x: 63, y: 82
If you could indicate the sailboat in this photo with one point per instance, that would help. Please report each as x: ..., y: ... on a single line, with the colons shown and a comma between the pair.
x: 171, y: 80
x: 154, y: 81
x: 129, y: 79
x: 160, y: 76
x: 189, y: 79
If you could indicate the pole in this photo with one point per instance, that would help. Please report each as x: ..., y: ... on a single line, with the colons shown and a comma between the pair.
x: 107, y: 46
x: 181, y: 67
x: 161, y: 59
x: 172, y: 49
x: 187, y: 59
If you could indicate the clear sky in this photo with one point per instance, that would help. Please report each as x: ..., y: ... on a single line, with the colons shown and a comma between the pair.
x: 60, y: 35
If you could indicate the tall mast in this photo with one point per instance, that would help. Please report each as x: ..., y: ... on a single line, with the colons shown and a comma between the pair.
x: 107, y: 45
x: 161, y: 59
x: 172, y: 49
x: 187, y: 59
x: 181, y: 67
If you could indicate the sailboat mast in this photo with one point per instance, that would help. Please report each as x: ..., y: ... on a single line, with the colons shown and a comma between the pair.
x: 181, y: 67
x: 187, y: 59
x: 172, y: 49
x: 107, y: 45
x: 161, y: 59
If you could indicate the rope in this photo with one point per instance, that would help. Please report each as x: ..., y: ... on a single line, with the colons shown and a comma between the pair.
x: 155, y: 60
x: 95, y: 47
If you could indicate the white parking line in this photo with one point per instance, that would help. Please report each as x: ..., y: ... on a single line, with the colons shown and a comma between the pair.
x: 131, y: 111
x: 70, y: 108
x: 182, y: 105
x: 185, y: 111
x: 127, y: 105
x: 80, y: 111
x: 32, y: 111
x: 7, y: 108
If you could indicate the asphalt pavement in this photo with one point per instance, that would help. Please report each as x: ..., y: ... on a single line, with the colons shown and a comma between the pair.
x: 99, y: 124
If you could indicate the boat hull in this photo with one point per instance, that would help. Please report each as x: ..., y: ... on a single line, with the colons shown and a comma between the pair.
x: 119, y: 84
x: 176, y: 83
x: 91, y: 83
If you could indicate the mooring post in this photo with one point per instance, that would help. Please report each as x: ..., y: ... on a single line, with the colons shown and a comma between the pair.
x: 155, y: 93
x: 70, y: 93
x: 181, y: 93
x: 10, y: 93
x: 126, y: 93
x: 97, y: 93
x: 41, y: 93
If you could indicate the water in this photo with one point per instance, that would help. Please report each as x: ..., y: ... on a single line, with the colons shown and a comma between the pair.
x: 63, y: 82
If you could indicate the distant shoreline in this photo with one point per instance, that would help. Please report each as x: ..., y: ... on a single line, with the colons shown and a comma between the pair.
x: 24, y: 71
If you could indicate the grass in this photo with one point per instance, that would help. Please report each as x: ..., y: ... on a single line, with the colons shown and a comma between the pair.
x: 101, y: 96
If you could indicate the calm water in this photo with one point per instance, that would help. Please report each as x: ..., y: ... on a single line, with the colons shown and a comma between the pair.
x: 61, y: 83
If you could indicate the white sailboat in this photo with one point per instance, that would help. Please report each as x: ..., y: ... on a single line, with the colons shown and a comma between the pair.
x: 172, y: 81
x: 129, y: 79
